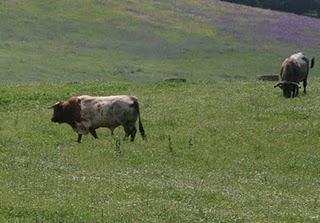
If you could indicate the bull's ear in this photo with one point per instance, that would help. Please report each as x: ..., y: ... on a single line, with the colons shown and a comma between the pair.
x: 57, y: 103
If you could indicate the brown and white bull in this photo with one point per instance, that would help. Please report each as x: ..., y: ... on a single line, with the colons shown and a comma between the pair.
x: 86, y: 113
x: 294, y: 69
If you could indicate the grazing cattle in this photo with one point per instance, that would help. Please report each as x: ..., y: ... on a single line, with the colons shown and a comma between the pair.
x: 294, y: 70
x: 86, y: 113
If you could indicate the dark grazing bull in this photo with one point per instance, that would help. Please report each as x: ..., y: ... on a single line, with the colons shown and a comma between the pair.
x: 85, y: 114
x: 294, y: 70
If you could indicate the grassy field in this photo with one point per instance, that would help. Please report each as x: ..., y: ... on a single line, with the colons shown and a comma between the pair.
x: 221, y: 147
x: 216, y: 152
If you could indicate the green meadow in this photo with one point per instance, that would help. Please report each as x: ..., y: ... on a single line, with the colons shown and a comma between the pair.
x: 215, y: 152
x: 220, y: 147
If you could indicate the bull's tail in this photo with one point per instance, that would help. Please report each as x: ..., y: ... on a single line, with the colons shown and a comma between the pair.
x: 143, y: 135
x: 312, y: 62
x: 141, y: 129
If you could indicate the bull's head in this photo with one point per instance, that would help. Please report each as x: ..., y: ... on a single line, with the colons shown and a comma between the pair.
x: 67, y: 111
x: 57, y: 112
x: 289, y: 88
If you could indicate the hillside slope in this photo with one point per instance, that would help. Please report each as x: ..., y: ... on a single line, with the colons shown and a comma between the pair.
x: 146, y: 40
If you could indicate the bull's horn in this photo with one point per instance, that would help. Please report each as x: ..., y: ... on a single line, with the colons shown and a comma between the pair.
x: 288, y: 82
x: 294, y: 83
x: 278, y: 84
x: 54, y: 105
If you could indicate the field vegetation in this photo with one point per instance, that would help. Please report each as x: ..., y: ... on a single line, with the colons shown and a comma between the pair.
x: 146, y: 41
x: 216, y: 152
x: 220, y: 147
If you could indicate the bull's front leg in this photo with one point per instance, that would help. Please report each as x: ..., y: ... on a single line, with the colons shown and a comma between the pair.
x: 93, y: 133
x: 79, y: 138
x: 297, y: 91
x: 305, y: 83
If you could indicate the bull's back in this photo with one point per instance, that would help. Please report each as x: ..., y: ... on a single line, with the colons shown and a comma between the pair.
x: 110, y: 111
x: 295, y: 68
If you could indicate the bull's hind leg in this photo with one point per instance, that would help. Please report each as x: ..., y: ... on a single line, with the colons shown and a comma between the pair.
x: 131, y: 131
x: 305, y: 86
